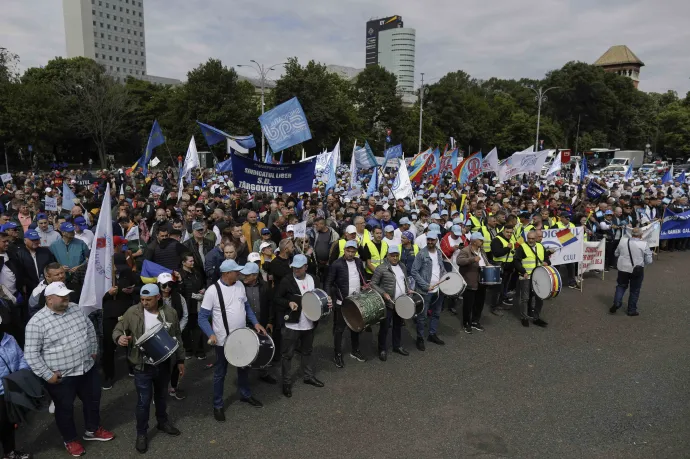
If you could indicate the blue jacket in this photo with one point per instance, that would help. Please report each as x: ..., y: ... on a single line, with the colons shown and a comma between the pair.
x: 10, y: 354
x: 421, y: 269
x: 214, y: 258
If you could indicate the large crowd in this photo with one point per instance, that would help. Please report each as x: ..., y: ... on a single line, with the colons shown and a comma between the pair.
x: 229, y: 260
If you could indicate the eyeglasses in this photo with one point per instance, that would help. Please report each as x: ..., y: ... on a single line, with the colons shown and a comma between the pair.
x: 167, y: 285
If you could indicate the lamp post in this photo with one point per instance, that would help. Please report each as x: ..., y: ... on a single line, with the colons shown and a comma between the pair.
x: 262, y: 70
x: 539, y: 98
x: 421, y: 111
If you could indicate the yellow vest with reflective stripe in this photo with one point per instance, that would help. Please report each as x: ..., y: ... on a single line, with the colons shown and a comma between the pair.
x: 414, y: 248
x: 487, y: 239
x: 376, y: 256
x: 530, y: 261
x: 365, y: 238
x: 341, y: 246
x: 507, y: 258
x: 476, y: 224
x: 527, y: 229
x: 561, y: 225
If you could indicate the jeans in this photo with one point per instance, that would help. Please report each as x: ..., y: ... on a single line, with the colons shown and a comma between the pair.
x: 528, y: 309
x: 339, y: 326
x: 290, y: 338
x: 96, y: 318
x: 385, y: 324
x: 151, y: 383
x: 570, y: 270
x: 432, y: 302
x: 473, y: 304
x: 88, y: 388
x: 635, y: 285
x: 220, y: 369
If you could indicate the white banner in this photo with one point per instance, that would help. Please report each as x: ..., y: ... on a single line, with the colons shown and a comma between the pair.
x: 51, y: 203
x: 593, y: 256
x: 490, y: 161
x: 300, y: 229
x: 566, y: 243
x: 133, y: 234
x: 650, y: 233
x: 555, y: 166
x: 6, y: 178
x: 157, y: 189
x: 402, y: 187
x: 323, y: 160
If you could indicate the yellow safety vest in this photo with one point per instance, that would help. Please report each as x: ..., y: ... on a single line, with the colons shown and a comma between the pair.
x: 526, y: 230
x: 476, y: 224
x: 376, y: 256
x: 365, y: 238
x: 530, y: 261
x: 507, y: 258
x: 341, y: 246
x: 415, y: 249
x: 561, y: 225
x: 487, y: 239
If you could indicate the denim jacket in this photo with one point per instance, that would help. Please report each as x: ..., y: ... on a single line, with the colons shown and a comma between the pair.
x: 10, y: 355
x: 421, y: 269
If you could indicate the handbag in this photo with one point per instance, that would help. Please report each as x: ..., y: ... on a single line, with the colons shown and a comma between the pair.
x: 637, y: 270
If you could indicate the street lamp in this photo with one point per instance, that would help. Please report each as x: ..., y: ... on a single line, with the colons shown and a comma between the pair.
x: 262, y: 70
x: 540, y: 97
x: 421, y: 111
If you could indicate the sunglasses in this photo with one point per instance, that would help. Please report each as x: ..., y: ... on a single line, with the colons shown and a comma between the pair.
x: 167, y: 285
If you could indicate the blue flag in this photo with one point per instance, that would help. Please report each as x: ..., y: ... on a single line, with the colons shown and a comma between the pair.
x: 373, y: 183
x: 269, y: 156
x: 629, y: 172
x: 225, y: 166
x: 280, y: 161
x: 67, y: 197
x: 155, y: 139
x: 393, y: 152
x: 454, y: 158
x: 681, y: 178
x: 213, y: 136
x: 594, y: 190
x: 668, y: 176
x: 255, y: 157
x: 285, y: 125
x: 584, y: 171
x: 435, y: 166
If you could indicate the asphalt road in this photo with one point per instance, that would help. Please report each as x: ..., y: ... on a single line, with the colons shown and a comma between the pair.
x: 591, y: 385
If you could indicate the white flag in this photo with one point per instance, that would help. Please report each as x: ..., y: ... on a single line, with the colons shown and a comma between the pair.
x: 555, y: 166
x: 490, y: 161
x: 577, y: 173
x: 191, y: 161
x: 300, y: 229
x: 133, y: 233
x: 122, y: 189
x: 353, y: 168
x: 402, y: 187
x: 99, y: 271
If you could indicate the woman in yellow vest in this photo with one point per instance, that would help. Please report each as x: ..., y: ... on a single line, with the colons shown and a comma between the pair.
x: 527, y: 257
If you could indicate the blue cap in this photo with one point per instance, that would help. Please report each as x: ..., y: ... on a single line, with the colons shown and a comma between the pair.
x: 265, y: 231
x: 393, y: 249
x: 456, y: 230
x: 405, y: 221
x: 608, y: 212
x: 434, y: 227
x: 80, y: 222
x: 299, y: 261
x: 249, y: 269
x: 435, y: 216
x: 388, y: 229
x: 41, y: 216
x: 477, y: 235
x: 32, y: 235
x: 149, y: 290
x: 66, y: 227
x: 432, y: 235
x: 8, y: 226
x: 230, y: 265
x: 351, y: 244
x: 444, y: 212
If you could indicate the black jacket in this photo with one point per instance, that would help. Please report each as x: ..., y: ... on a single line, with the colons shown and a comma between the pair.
x: 192, y: 282
x: 168, y: 253
x: 27, y: 269
x: 288, y: 291
x: 193, y: 247
x: 338, y: 280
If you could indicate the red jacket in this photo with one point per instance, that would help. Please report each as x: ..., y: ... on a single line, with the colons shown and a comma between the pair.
x: 447, y: 249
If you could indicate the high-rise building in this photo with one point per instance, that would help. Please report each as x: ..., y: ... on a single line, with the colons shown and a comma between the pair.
x: 392, y: 46
x: 112, y: 33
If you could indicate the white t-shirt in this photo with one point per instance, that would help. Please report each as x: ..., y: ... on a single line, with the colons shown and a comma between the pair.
x: 421, y: 241
x: 352, y: 278
x: 234, y: 297
x: 435, y: 271
x: 150, y: 320
x: 86, y: 236
x: 399, y: 281
x: 305, y: 285
x: 7, y: 277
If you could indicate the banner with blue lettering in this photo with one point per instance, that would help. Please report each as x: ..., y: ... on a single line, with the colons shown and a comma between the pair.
x: 675, y: 225
x: 272, y: 178
x: 594, y: 190
x: 285, y: 126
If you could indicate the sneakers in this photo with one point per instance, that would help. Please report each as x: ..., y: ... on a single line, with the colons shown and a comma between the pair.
x: 633, y: 314
x: 168, y: 428
x: 187, y: 357
x: 467, y: 328
x: 508, y: 301
x: 99, y: 435
x: 540, y: 323
x: 201, y: 357
x: 17, y: 455
x: 525, y: 322
x: 477, y: 326
x: 107, y: 384
x: 142, y: 444
x: 75, y: 449
x: 338, y: 360
x: 177, y: 394
x: 357, y: 356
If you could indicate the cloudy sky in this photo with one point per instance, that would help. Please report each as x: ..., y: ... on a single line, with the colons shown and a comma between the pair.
x: 502, y: 38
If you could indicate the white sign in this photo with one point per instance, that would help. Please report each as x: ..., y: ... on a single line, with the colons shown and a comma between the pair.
x: 155, y: 161
x: 593, y: 256
x: 565, y: 243
x: 156, y: 189
x: 650, y: 234
x: 6, y: 178
x: 51, y: 203
x: 301, y: 229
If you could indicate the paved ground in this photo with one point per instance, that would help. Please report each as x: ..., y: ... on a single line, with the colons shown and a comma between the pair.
x: 592, y: 385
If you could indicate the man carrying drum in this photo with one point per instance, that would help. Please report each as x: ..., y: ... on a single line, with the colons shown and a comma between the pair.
x: 225, y: 302
x: 151, y: 381
x: 470, y: 260
x: 390, y: 281
x: 345, y: 277
x: 527, y: 258
x: 297, y: 327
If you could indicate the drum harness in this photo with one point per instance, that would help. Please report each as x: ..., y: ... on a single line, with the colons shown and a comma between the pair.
x: 531, y: 290
x: 222, y: 309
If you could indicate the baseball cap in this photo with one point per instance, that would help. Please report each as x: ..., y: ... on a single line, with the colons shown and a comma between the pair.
x: 149, y: 290
x: 197, y: 226
x: 405, y: 221
x: 299, y: 261
x: 388, y: 229
x: 608, y: 212
x: 164, y: 278
x: 433, y: 195
x: 66, y: 227
x: 230, y: 265
x: 456, y: 230
x: 393, y: 249
x: 432, y: 235
x: 434, y: 227
x: 290, y: 228
x: 57, y: 288
x: 435, y: 216
x: 249, y: 269
x: 444, y: 212
x: 351, y: 244
x: 32, y: 235
x: 477, y: 235
x: 351, y: 229
x: 265, y: 231
x: 48, y: 189
x: 264, y: 245
x: 41, y: 216
x: 254, y: 256
x: 81, y: 222
x: 8, y: 226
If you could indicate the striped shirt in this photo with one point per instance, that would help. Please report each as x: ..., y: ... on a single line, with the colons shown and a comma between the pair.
x: 61, y: 342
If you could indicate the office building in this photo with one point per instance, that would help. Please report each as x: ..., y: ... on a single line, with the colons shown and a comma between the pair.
x: 392, y: 46
x: 112, y: 33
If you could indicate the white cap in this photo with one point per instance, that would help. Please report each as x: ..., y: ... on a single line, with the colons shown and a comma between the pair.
x: 57, y: 288
x: 164, y: 278
x: 351, y: 229
x: 252, y: 257
x: 264, y: 245
x: 290, y: 228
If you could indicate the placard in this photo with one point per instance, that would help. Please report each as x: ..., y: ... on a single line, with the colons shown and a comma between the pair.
x: 51, y: 204
x: 593, y: 256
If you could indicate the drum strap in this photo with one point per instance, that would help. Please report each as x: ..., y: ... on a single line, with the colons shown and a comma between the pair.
x: 222, y: 309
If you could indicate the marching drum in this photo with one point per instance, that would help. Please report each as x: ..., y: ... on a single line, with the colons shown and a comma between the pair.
x: 452, y: 284
x: 408, y: 306
x: 246, y: 348
x: 315, y: 304
x: 157, y: 344
x: 490, y: 275
x: 363, y: 309
x: 546, y: 282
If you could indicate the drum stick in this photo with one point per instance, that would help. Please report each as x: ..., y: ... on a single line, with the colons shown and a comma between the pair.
x: 439, y: 283
x: 453, y: 267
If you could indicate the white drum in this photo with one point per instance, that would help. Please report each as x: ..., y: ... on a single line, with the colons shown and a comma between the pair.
x: 245, y: 348
x: 452, y: 284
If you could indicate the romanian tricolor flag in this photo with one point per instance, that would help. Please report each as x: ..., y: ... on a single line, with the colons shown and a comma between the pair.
x: 151, y: 270
x: 134, y: 166
x: 565, y: 236
x: 417, y: 171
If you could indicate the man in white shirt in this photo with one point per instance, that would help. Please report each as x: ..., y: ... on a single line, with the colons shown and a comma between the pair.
x: 82, y: 231
x: 631, y: 252
x: 287, y: 299
x: 226, y: 303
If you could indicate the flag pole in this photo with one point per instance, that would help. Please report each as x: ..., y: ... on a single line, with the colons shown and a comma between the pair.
x: 170, y: 154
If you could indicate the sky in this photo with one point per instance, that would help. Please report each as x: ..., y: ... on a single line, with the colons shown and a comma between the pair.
x: 498, y: 38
